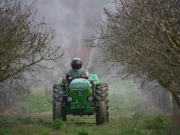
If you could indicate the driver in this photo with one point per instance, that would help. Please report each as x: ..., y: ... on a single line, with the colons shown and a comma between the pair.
x: 77, y: 71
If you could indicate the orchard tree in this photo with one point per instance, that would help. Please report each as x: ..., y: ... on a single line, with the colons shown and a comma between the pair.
x: 25, y: 44
x: 144, y: 37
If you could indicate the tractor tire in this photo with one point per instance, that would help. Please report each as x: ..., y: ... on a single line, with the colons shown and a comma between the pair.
x: 102, y: 96
x: 58, y: 112
x: 105, y: 88
x: 101, y: 117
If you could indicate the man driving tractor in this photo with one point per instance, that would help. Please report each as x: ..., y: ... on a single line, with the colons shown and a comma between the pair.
x: 80, y: 93
x: 77, y: 71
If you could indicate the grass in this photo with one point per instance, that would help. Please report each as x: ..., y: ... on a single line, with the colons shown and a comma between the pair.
x: 152, y: 125
x: 128, y: 116
x: 34, y: 104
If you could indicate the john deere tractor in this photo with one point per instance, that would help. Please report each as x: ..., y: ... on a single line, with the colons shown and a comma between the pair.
x: 81, y: 96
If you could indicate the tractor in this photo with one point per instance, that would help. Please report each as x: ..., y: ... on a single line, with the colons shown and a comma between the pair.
x: 79, y: 96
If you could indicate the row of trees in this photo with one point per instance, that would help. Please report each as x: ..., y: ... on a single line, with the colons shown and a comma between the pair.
x: 25, y: 44
x: 144, y: 36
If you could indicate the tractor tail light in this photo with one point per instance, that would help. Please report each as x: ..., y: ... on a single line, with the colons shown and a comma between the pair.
x: 91, y: 93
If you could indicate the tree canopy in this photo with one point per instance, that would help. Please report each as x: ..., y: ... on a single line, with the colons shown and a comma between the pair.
x: 25, y: 43
x: 144, y: 37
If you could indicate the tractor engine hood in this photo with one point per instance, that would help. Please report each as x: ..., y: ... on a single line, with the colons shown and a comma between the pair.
x: 80, y: 84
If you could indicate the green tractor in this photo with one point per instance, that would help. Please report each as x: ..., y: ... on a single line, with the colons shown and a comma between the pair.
x: 81, y: 96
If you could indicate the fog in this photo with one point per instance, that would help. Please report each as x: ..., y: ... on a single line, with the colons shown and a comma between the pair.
x: 74, y: 21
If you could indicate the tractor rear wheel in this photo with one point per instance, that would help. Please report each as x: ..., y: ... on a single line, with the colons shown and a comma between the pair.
x: 102, y: 98
x: 58, y: 112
